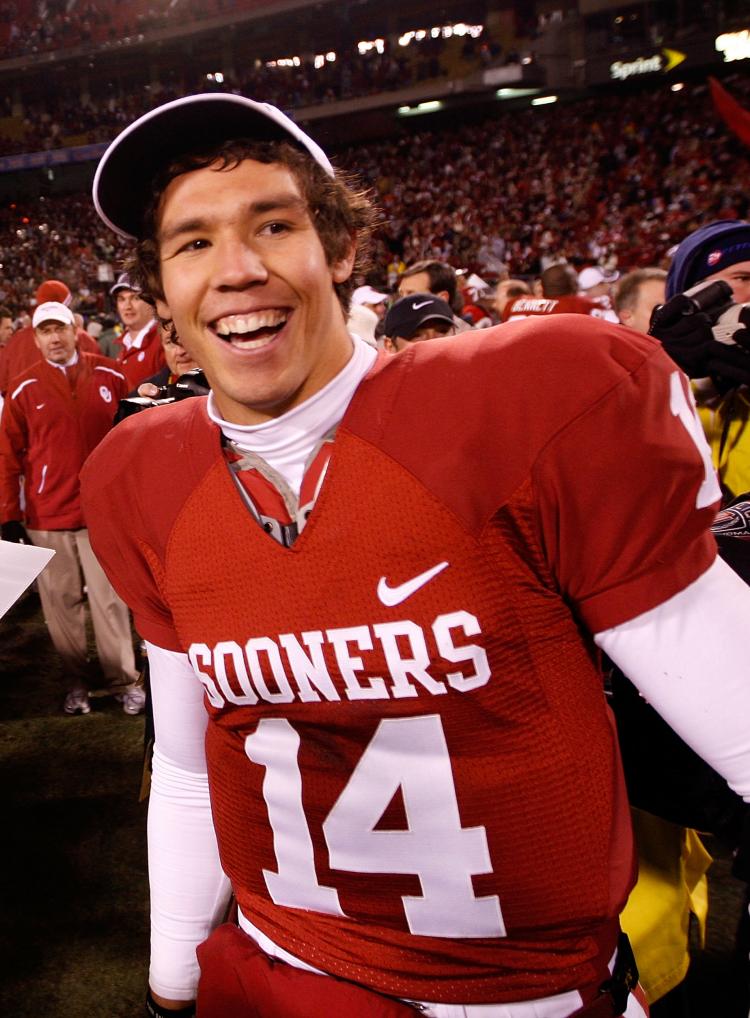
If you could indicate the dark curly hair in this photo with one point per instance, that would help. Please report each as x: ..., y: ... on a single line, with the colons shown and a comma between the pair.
x: 340, y: 211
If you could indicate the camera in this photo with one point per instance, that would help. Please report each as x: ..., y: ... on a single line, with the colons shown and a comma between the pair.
x: 706, y: 333
x: 713, y: 299
x: 192, y: 383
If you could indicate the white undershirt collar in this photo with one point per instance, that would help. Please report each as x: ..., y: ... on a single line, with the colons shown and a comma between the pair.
x: 135, y: 343
x: 68, y: 364
x: 286, y: 442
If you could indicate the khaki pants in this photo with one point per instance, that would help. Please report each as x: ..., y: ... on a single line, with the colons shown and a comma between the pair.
x: 63, y: 604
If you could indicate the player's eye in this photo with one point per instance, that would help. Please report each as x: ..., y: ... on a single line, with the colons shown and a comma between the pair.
x: 274, y: 229
x: 197, y: 244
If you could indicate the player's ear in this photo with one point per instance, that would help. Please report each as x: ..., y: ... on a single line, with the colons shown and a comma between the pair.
x: 162, y: 309
x: 342, y: 267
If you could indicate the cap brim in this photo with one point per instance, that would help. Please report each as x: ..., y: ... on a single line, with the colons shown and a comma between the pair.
x: 123, y: 182
x: 430, y: 318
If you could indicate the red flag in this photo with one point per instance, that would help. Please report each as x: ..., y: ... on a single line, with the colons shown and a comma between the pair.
x: 736, y: 117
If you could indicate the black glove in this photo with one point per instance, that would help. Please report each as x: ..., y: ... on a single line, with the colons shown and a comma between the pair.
x: 714, y: 344
x: 15, y: 532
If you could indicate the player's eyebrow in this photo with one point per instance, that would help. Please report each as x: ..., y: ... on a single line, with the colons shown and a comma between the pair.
x: 195, y: 224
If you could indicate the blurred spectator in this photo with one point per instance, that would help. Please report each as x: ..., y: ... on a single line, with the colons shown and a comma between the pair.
x: 6, y: 325
x: 21, y: 350
x: 559, y: 284
x: 434, y: 277
x: 508, y: 290
x: 596, y: 284
x: 142, y: 353
x: 177, y: 362
x: 415, y: 318
x: 59, y: 410
x: 717, y: 251
x: 366, y: 310
x: 636, y: 296
x: 477, y: 301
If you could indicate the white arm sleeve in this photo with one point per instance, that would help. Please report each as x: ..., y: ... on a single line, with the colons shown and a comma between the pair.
x: 189, y: 891
x: 688, y: 657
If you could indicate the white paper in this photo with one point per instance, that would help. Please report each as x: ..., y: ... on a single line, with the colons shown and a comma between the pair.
x: 20, y: 564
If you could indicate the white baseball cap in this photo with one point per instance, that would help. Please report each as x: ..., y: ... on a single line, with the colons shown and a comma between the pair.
x: 52, y: 311
x: 595, y: 275
x: 366, y: 295
x: 125, y: 174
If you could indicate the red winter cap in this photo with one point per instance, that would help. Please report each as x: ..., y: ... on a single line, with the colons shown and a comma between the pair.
x: 53, y: 290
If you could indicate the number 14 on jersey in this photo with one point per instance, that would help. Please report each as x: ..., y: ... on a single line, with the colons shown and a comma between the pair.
x: 409, y: 754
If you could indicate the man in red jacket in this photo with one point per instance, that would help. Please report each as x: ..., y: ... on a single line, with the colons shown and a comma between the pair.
x: 142, y: 354
x: 55, y: 414
x: 21, y: 351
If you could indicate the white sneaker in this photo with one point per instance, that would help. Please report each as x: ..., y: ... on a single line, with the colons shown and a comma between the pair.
x: 77, y: 702
x: 133, y: 700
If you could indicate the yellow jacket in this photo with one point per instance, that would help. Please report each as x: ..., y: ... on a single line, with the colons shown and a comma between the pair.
x: 730, y: 444
x: 672, y: 885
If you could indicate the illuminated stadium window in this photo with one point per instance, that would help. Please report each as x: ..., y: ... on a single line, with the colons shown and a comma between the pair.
x: 436, y: 31
x: 284, y: 62
x: 373, y: 44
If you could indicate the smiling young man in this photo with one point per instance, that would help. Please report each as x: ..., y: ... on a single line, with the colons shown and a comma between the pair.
x: 365, y: 583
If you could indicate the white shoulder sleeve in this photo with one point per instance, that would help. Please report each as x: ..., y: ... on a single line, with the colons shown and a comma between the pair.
x: 688, y: 657
x: 189, y: 891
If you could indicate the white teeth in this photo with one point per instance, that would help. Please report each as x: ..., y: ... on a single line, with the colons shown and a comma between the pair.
x: 240, y: 324
x: 251, y: 344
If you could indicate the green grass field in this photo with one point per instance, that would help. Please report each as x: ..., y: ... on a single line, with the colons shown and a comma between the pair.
x: 74, y: 927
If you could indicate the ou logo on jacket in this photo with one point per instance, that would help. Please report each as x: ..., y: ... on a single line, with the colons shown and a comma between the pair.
x: 105, y: 393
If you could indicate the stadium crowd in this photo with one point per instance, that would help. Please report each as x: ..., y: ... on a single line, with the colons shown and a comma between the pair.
x: 31, y: 26
x: 616, y: 180
x: 61, y: 119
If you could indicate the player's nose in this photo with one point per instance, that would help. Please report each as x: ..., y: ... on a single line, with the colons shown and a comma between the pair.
x: 237, y: 264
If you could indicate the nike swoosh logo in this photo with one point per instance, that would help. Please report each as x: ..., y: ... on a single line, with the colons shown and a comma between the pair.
x: 422, y: 304
x: 391, y: 596
x: 40, y: 406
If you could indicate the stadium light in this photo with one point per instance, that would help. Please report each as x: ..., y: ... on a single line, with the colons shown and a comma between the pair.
x: 734, y: 45
x: 544, y: 100
x: 436, y: 31
x: 425, y: 107
x: 678, y: 86
x: 516, y: 93
x: 376, y: 44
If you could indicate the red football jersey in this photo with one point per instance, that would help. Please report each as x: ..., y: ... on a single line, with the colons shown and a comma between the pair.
x: 414, y: 778
x: 530, y: 307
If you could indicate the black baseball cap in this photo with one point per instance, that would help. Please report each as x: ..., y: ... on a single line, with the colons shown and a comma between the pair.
x: 124, y: 177
x: 411, y: 312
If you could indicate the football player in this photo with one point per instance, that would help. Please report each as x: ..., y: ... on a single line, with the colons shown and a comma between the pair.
x: 373, y: 589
